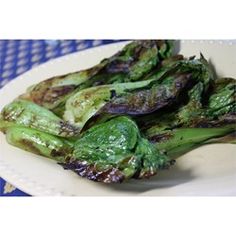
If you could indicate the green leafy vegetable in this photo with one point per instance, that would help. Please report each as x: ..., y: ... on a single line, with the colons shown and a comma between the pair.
x: 28, y: 114
x: 130, y: 64
x: 139, y: 98
x: 39, y: 143
x: 86, y: 103
x: 177, y: 142
x: 114, y: 151
x: 127, y: 117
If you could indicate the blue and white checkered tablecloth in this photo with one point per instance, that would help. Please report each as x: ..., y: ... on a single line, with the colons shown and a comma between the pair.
x: 19, y: 56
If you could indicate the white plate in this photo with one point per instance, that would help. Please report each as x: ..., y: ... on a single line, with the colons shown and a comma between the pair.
x: 209, y: 170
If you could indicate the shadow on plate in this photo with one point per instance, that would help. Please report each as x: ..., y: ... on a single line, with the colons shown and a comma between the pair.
x: 213, y: 68
x: 164, y: 179
x: 176, y: 47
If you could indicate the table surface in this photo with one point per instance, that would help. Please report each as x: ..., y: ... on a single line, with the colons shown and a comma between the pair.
x: 19, y: 56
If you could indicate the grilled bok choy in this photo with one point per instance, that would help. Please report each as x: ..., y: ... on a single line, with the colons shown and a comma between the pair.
x: 130, y: 116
